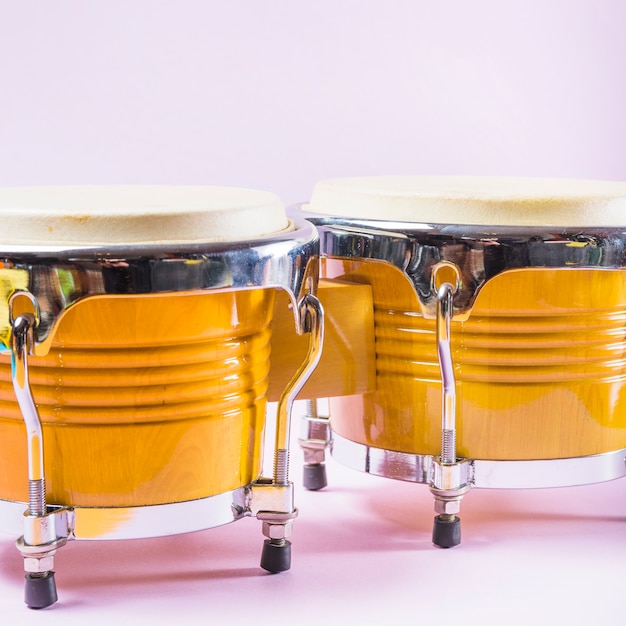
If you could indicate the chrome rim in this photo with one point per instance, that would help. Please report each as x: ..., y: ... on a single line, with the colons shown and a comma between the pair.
x: 480, y: 252
x: 483, y: 473
x: 139, y: 522
x: 58, y: 277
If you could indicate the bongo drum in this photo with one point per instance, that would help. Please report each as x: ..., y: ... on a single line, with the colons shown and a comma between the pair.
x: 499, y: 320
x: 135, y: 323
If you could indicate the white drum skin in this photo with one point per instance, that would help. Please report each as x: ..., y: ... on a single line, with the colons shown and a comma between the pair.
x: 136, y: 214
x: 501, y: 201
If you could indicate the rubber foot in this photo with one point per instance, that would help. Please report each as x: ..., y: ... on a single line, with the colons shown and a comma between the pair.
x: 40, y: 591
x: 276, y: 557
x: 446, y: 532
x: 314, y: 477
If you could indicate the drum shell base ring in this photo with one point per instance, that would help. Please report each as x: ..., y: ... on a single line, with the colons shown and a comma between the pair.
x: 485, y: 473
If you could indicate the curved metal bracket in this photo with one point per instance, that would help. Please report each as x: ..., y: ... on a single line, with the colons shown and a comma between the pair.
x: 480, y: 252
x: 23, y: 326
x: 311, y: 321
x: 446, y: 367
x: 59, y: 277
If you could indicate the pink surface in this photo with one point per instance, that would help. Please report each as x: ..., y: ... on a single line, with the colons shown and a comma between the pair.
x: 361, y: 555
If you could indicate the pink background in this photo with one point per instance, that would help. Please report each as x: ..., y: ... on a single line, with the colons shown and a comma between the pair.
x: 278, y: 95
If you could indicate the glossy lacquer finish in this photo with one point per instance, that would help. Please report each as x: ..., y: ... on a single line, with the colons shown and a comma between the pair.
x: 540, y: 365
x: 145, y: 399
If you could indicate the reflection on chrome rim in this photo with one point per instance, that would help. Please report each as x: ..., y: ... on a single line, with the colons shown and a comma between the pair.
x: 480, y: 252
x: 484, y: 473
x: 138, y: 522
x: 58, y: 277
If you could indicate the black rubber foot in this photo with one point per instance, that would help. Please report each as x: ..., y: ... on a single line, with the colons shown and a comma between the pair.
x: 314, y: 477
x: 276, y: 557
x: 40, y: 591
x: 446, y: 532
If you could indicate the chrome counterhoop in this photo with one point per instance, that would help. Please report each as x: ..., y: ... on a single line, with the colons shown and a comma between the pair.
x: 58, y: 277
x: 480, y: 252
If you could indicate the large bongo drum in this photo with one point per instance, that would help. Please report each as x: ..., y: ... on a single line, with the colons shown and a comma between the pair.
x: 135, y: 323
x: 499, y: 323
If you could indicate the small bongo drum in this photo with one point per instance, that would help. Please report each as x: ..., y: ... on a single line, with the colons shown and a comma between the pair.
x: 136, y: 326
x: 499, y: 323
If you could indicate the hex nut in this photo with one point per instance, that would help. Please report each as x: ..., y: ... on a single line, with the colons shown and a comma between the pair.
x: 447, y: 507
x: 38, y: 565
x: 313, y: 456
x: 277, y: 531
x: 319, y: 430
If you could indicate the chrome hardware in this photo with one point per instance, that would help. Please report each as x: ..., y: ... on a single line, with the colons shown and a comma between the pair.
x: 446, y: 368
x: 483, y: 473
x: 480, y: 252
x: 277, y: 516
x: 315, y: 435
x: 22, y: 333
x: 59, y: 276
x: 451, y: 477
x: 273, y: 504
x: 259, y: 499
x: 265, y: 498
x: 448, y: 502
x: 43, y: 536
x: 45, y: 530
x: 449, y: 483
x: 312, y: 321
x: 277, y: 531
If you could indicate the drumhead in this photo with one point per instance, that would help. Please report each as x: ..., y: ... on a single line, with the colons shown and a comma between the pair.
x: 136, y: 214
x: 473, y: 200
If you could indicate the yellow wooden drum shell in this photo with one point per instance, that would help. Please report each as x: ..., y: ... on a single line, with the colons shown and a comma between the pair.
x: 540, y: 366
x: 145, y: 400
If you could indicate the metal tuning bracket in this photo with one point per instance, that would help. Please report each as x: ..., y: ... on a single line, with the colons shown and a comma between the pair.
x: 450, y: 477
x: 273, y: 500
x: 46, y: 529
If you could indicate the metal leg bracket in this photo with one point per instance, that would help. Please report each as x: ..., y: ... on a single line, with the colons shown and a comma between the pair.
x: 273, y: 504
x: 314, y: 440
